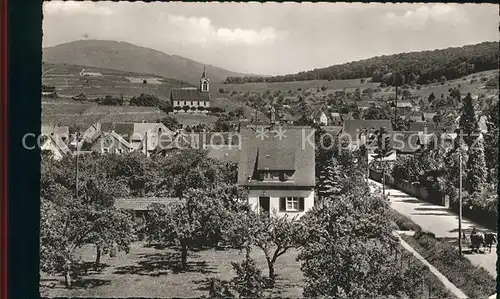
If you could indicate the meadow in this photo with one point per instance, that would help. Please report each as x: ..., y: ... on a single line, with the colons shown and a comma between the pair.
x: 152, y: 271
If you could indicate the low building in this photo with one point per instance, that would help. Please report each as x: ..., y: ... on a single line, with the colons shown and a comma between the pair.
x: 140, y: 206
x: 278, y: 169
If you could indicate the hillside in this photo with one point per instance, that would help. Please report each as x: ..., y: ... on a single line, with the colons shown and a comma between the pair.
x: 128, y: 57
x: 418, y: 67
x: 68, y: 83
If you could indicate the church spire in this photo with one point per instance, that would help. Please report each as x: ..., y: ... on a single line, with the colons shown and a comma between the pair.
x: 204, y: 81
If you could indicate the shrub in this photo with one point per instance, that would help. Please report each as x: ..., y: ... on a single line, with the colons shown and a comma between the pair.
x: 474, y: 281
x: 221, y: 90
x: 404, y: 223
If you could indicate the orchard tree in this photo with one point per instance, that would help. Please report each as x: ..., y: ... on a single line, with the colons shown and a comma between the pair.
x: 356, y: 231
x: 169, y: 122
x: 273, y: 234
x: 198, y: 221
x: 382, y: 151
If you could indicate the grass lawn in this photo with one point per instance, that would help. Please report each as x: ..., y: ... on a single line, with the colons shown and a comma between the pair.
x: 151, y: 272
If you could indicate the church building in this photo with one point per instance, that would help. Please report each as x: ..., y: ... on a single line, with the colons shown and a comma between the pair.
x: 192, y: 99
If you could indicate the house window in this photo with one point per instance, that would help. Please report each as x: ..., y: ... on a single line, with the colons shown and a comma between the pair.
x: 105, y: 150
x: 191, y: 103
x: 271, y: 175
x: 291, y: 204
x: 119, y: 151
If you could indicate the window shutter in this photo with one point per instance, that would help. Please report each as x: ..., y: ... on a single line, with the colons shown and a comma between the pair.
x: 282, y: 204
x: 301, y: 204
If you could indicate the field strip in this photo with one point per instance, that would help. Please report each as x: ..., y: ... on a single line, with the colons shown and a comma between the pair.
x: 104, y: 113
x: 450, y: 286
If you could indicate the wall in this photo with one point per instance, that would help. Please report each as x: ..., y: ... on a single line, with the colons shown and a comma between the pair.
x: 412, y: 189
x: 274, y: 202
x: 50, y: 146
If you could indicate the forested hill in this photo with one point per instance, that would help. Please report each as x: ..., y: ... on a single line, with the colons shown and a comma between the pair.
x: 420, y: 67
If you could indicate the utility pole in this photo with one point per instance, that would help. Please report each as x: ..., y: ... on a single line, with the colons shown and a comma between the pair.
x: 77, y: 151
x: 460, y: 203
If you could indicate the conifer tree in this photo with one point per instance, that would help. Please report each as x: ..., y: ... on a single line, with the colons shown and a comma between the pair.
x: 476, y: 166
x: 328, y: 184
x: 468, y: 121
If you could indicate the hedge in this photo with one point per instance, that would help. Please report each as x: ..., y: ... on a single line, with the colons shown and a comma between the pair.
x: 403, y: 222
x: 474, y: 281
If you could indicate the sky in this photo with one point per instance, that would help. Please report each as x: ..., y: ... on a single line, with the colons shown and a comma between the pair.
x: 273, y: 38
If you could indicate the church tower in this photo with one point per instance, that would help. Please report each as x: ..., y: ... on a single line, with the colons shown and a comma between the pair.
x: 204, y: 82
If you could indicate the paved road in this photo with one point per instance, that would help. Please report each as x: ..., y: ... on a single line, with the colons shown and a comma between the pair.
x: 440, y: 221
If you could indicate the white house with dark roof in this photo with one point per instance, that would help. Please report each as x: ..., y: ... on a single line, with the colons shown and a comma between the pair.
x: 278, y: 170
x: 55, y: 145
x: 194, y: 100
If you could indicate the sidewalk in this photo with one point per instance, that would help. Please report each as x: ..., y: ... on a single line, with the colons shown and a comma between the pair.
x: 441, y: 222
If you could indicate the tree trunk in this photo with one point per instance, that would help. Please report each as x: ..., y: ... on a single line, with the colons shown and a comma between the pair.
x: 383, y: 179
x: 67, y: 278
x: 272, y: 277
x: 184, y: 252
x: 97, y: 257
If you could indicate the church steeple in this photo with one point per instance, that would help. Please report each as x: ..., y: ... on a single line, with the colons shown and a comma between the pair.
x: 204, y: 81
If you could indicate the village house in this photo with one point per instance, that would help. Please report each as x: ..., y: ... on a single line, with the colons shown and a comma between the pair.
x: 278, y: 169
x: 404, y: 107
x: 355, y: 130
x: 192, y: 99
x: 336, y: 119
x: 363, y: 105
x: 144, y: 137
x: 320, y: 117
x: 55, y: 145
x: 61, y: 131
x: 108, y: 143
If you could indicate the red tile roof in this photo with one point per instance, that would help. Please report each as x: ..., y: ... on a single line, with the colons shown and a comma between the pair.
x: 184, y: 94
x: 293, y: 152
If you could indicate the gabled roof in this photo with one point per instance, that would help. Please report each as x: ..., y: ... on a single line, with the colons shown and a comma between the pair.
x: 143, y: 203
x: 354, y: 126
x: 56, y: 130
x: 114, y: 135
x: 58, y: 144
x: 405, y: 141
x: 189, y: 94
x: 403, y: 104
x: 198, y: 140
x: 423, y: 127
x: 364, y: 104
x: 429, y: 115
x: 333, y: 129
x: 293, y: 152
x: 224, y: 153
